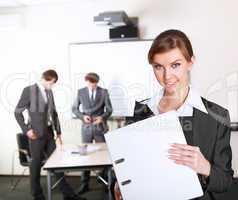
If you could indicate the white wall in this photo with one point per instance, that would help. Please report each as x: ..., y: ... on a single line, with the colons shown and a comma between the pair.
x: 41, y: 38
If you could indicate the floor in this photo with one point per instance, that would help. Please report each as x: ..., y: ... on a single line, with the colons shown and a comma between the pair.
x: 22, y: 191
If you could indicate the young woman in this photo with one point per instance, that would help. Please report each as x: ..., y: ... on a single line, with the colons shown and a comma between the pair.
x: 205, y: 124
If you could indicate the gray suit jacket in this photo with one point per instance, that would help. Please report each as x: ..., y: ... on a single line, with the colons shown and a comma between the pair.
x: 101, y: 106
x: 33, y: 101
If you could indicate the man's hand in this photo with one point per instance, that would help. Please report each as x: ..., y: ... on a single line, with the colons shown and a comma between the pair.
x: 59, y: 140
x: 87, y: 119
x: 97, y: 120
x: 31, y: 135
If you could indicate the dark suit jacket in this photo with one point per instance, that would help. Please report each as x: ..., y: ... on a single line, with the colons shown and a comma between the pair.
x: 33, y: 101
x: 211, y: 132
x: 101, y: 106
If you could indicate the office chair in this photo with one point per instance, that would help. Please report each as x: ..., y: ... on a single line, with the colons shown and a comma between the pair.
x: 24, y: 159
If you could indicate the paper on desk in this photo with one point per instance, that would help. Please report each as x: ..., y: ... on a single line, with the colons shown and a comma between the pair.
x: 91, y: 149
x: 69, y: 151
x: 146, y: 172
x: 67, y: 157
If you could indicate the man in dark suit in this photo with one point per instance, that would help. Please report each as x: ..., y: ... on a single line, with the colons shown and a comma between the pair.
x: 96, y: 109
x: 43, y: 120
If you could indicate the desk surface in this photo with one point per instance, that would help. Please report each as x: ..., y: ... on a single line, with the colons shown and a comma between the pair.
x: 97, y: 156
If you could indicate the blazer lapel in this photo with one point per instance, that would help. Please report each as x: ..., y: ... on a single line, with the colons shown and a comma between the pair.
x: 98, y: 95
x: 40, y: 99
x: 40, y: 95
x: 204, y: 131
x: 86, y: 95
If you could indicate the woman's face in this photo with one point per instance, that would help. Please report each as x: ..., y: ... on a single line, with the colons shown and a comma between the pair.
x: 171, y: 70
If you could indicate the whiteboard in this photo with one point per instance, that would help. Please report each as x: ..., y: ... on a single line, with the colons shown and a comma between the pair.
x: 123, y: 69
x: 126, y: 73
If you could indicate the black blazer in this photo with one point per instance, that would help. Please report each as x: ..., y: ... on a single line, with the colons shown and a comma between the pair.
x: 211, y: 133
x: 33, y: 101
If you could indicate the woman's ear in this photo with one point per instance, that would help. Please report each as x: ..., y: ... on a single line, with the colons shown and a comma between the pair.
x: 191, y: 63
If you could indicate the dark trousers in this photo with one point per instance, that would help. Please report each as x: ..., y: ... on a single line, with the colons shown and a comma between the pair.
x: 41, y: 149
x: 92, y: 132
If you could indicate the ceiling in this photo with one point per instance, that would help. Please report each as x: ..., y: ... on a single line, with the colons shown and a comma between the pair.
x: 19, y: 3
x: 9, y: 3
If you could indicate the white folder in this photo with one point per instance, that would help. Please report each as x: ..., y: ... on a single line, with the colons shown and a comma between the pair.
x: 139, y: 153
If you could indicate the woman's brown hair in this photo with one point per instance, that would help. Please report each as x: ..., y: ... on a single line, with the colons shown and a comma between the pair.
x: 169, y: 40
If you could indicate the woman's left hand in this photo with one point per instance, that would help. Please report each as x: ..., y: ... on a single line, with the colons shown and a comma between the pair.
x: 190, y: 156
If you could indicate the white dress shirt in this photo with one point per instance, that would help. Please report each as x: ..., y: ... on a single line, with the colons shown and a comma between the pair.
x: 193, y: 100
x: 90, y: 93
x: 42, y: 89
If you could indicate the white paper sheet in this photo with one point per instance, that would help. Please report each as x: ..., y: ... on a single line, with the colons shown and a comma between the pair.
x: 144, y: 147
x: 73, y: 150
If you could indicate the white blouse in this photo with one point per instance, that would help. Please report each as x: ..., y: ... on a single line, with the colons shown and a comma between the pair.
x: 193, y: 100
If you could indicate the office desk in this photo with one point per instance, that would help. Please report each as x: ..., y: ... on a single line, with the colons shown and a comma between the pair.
x: 63, y: 160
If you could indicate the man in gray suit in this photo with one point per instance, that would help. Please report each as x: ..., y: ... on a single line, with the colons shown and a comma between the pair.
x: 96, y: 109
x: 43, y: 121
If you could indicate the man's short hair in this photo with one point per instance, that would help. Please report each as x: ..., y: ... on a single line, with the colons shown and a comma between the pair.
x: 49, y: 75
x: 92, y: 77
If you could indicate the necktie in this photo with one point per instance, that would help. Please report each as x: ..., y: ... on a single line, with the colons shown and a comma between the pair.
x: 49, y: 107
x: 92, y: 96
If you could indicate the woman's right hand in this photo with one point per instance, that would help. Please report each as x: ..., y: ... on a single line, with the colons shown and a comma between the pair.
x: 117, y: 192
